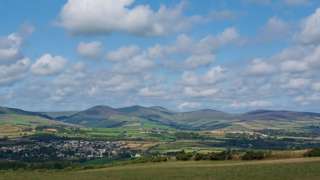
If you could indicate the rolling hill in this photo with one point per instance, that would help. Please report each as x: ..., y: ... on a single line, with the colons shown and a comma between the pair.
x: 16, y: 122
x: 139, y: 116
x: 206, y: 119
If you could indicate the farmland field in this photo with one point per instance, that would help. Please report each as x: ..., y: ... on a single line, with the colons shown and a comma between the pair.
x: 289, y: 169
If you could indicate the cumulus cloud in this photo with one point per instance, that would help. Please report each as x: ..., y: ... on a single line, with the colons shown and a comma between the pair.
x: 294, y: 66
x: 151, y: 92
x: 108, y: 16
x: 316, y: 86
x: 297, y: 83
x: 195, y: 61
x: 202, y: 85
x: 48, y: 64
x: 91, y: 50
x: 13, y: 65
x: 212, y: 76
x: 310, y: 29
x: 188, y: 105
x: 13, y: 72
x: 259, y: 67
x: 10, y: 46
x: 137, y: 64
x: 275, y: 28
x: 200, y: 91
x: 123, y: 53
x: 251, y: 104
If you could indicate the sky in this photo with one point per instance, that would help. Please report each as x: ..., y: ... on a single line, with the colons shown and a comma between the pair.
x: 228, y: 55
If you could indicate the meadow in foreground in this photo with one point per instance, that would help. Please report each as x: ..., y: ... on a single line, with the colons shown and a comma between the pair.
x: 288, y: 169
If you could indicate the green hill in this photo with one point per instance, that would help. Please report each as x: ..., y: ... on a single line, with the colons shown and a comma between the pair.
x: 159, y: 117
x: 288, y: 169
x: 207, y: 119
x: 16, y: 122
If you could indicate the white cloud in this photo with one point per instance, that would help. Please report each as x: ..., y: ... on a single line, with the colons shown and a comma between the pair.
x: 107, y: 16
x: 48, y: 65
x: 313, y: 58
x: 202, y: 47
x: 151, y: 92
x: 310, y: 29
x: 251, y: 104
x: 212, y: 76
x: 195, y: 61
x: 294, y: 66
x: 316, y: 86
x: 260, y: 67
x: 275, y: 28
x: 8, y: 54
x: 200, y: 91
x: 188, y: 105
x: 10, y: 46
x: 117, y: 83
x: 13, y: 72
x: 137, y: 64
x: 90, y: 50
x: 307, y: 99
x: 202, y: 85
x: 297, y: 83
x: 123, y: 53
x: 227, y: 36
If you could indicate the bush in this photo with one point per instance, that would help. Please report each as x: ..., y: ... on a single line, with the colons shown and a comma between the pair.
x: 199, y: 157
x: 183, y: 156
x: 146, y: 159
x: 6, y: 165
x: 313, y: 153
x: 253, y: 155
x: 224, y: 155
x: 159, y: 159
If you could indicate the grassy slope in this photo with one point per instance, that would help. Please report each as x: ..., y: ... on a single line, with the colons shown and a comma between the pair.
x: 289, y: 169
x: 15, y: 125
x: 26, y: 120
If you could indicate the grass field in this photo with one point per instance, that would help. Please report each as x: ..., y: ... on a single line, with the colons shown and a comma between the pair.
x: 289, y: 169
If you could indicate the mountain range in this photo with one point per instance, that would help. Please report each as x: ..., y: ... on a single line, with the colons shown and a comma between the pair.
x: 205, y: 119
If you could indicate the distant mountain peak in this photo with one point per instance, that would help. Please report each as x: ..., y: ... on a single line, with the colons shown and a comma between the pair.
x: 101, y: 107
x: 159, y: 108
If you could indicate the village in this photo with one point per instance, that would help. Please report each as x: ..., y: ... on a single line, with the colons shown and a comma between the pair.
x: 70, y: 150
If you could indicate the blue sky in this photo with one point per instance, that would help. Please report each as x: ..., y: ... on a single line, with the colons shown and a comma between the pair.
x: 228, y: 55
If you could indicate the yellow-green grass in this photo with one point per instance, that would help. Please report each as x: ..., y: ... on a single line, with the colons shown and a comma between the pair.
x: 187, y: 145
x: 12, y: 131
x: 288, y: 169
x: 25, y: 120
x: 14, y: 125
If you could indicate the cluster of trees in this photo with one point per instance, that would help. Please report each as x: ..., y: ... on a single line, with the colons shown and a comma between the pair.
x: 254, y: 155
x: 155, y: 158
x: 313, y: 153
x: 224, y: 155
x: 6, y: 165
x: 188, y: 135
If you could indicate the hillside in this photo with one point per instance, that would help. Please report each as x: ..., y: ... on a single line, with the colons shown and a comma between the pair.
x: 17, y: 122
x: 287, y: 169
x: 139, y: 116
x: 206, y: 119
